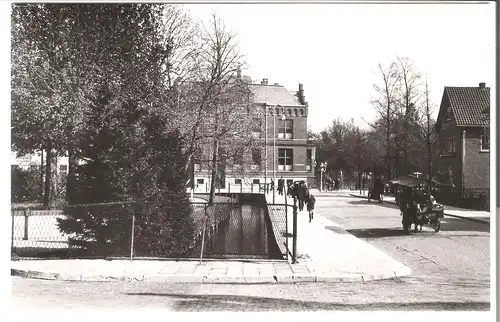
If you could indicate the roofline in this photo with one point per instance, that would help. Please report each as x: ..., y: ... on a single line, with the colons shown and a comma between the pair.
x: 276, y: 105
x: 472, y: 125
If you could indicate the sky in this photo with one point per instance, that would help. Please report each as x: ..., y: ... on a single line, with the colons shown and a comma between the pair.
x: 334, y: 49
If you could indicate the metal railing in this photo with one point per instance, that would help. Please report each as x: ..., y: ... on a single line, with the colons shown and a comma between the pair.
x: 236, y: 188
x: 221, y: 230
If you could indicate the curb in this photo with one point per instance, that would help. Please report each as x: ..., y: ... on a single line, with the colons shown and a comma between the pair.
x: 469, y: 218
x: 449, y: 215
x: 170, y: 278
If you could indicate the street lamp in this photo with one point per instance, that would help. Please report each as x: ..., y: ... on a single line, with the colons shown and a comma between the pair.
x: 274, y: 144
x: 322, y: 169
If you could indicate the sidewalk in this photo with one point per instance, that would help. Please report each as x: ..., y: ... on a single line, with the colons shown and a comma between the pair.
x: 319, y: 260
x: 473, y: 215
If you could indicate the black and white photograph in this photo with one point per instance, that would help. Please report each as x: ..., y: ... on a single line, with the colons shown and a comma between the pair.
x: 326, y: 157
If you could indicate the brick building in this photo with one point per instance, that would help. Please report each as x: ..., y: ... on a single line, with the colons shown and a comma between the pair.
x: 282, y: 148
x: 463, y: 137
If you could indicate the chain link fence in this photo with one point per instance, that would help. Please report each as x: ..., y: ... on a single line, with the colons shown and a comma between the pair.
x: 221, y: 230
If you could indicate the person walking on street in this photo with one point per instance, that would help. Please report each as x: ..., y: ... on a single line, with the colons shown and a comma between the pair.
x: 300, y: 192
x: 272, y: 186
x: 280, y: 186
x: 310, y: 206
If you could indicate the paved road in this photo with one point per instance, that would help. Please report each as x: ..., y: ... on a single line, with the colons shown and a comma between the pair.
x: 381, y: 295
x: 450, y: 272
x: 459, y: 254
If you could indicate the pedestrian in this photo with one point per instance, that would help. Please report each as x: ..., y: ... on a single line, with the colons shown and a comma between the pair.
x: 272, y: 185
x: 310, y: 206
x: 280, y: 186
x: 300, y: 192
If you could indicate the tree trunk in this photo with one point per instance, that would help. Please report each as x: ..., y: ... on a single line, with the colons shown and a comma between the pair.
x: 388, y: 156
x: 429, y: 159
x: 71, y: 181
x: 41, y: 177
x: 48, y: 174
x: 214, y: 172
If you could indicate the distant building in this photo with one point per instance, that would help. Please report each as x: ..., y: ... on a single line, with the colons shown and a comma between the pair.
x: 289, y: 154
x: 463, y: 129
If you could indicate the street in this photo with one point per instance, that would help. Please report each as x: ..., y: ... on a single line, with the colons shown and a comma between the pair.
x: 458, y: 254
x: 450, y: 272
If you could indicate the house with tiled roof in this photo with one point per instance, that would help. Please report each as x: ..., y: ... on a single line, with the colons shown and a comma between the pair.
x: 283, y: 152
x: 463, y: 130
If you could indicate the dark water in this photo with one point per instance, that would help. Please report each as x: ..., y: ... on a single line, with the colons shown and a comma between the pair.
x: 245, y: 233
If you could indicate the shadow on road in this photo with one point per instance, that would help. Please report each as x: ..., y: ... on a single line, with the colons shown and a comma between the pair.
x: 460, y: 224
x: 253, y: 303
x: 373, y: 203
x: 378, y: 232
x: 448, y: 224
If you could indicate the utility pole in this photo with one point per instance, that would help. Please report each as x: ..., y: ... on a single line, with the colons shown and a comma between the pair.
x: 265, y: 147
x: 428, y: 135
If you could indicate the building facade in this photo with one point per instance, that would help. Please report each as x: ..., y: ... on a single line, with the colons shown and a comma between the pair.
x: 281, y: 148
x: 463, y: 129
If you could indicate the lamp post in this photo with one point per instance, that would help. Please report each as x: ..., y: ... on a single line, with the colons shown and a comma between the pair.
x: 322, y: 169
x: 274, y: 145
x: 265, y: 147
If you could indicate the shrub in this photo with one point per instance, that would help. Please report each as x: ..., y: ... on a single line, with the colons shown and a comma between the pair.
x: 102, y: 229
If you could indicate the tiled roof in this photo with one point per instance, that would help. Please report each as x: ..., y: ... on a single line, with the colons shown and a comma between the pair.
x: 273, y: 95
x: 469, y: 105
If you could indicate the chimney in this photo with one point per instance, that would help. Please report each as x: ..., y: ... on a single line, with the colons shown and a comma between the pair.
x: 482, y: 85
x: 238, y: 73
x: 264, y: 81
x: 302, y: 98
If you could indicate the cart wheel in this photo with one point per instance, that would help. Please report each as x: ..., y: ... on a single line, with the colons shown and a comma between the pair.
x: 437, y: 225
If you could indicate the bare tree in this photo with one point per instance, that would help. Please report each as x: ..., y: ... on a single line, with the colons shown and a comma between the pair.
x: 385, y: 102
x: 409, y: 94
x: 224, y: 109
x: 427, y: 130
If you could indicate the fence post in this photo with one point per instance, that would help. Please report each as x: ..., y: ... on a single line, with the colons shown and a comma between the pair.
x: 133, y: 230
x: 26, y: 214
x: 229, y: 188
x: 12, y: 232
x: 251, y: 188
x: 286, y: 229
x: 294, y: 256
x: 203, y: 236
x: 241, y: 186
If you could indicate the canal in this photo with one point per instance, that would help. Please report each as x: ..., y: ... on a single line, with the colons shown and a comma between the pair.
x: 245, y: 231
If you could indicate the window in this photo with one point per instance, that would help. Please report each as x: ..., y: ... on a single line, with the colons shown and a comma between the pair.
x: 285, y: 159
x: 256, y: 159
x: 256, y: 127
x: 448, y: 114
x: 485, y: 139
x: 285, y: 130
x: 238, y: 159
x: 200, y: 181
x: 308, y: 160
x: 237, y: 181
x: 449, y: 144
x: 197, y: 161
x: 256, y: 181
